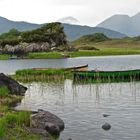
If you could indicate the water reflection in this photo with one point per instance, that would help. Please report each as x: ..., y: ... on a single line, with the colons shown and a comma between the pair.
x: 82, y: 106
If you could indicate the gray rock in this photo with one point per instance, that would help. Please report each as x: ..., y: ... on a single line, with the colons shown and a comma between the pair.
x: 106, y: 115
x: 13, y: 86
x: 48, y: 121
x: 52, y: 129
x: 106, y: 126
x: 44, y: 135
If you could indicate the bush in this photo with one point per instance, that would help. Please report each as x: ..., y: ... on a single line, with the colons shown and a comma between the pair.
x: 47, y: 33
x: 93, y: 38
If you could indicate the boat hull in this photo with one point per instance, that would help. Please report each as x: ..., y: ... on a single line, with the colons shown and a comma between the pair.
x: 76, y: 68
x: 107, y: 75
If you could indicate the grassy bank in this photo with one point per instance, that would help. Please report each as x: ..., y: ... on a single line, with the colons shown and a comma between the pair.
x: 125, y: 46
x: 80, y: 53
x: 45, y: 55
x: 4, y: 56
x: 84, y: 53
x: 13, y: 125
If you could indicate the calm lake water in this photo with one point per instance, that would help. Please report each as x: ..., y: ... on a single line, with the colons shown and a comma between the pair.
x: 102, y: 63
x: 82, y: 106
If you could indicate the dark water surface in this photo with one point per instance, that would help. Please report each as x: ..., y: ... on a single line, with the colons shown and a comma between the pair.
x: 82, y: 106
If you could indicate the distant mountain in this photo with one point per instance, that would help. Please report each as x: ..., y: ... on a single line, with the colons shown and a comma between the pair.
x: 68, y: 20
x: 123, y: 23
x: 6, y: 25
x: 72, y: 31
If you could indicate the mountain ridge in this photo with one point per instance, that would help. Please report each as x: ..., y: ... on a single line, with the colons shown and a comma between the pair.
x: 125, y: 24
x: 73, y: 32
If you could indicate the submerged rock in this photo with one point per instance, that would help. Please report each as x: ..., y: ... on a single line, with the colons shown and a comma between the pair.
x: 106, y: 115
x: 13, y: 86
x: 106, y: 126
x: 47, y: 121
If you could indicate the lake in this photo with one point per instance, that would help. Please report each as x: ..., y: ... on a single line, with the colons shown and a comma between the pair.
x: 102, y: 63
x: 82, y: 106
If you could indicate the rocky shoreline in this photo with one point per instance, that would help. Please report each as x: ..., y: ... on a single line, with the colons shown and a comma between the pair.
x: 42, y: 123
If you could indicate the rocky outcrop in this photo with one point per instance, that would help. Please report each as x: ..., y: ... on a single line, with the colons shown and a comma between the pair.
x: 13, y: 86
x: 24, y: 48
x: 48, y: 37
x: 47, y: 121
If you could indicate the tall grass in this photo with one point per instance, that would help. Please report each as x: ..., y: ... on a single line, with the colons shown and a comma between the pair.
x: 3, y: 124
x: 49, y: 71
x: 47, y: 75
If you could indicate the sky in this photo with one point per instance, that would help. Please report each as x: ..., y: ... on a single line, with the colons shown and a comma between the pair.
x: 87, y: 12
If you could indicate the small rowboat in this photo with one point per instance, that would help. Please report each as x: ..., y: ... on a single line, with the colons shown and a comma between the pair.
x: 77, y: 68
x: 107, y: 75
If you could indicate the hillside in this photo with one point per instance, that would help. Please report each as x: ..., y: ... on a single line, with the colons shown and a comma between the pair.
x: 123, y: 23
x: 92, y: 38
x: 6, y: 25
x: 108, y: 46
x: 72, y: 31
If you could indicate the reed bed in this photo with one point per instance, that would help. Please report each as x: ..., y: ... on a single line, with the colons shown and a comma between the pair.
x: 45, y: 75
x: 107, y: 77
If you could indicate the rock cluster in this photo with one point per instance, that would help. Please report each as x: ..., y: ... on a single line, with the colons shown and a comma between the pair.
x: 13, y: 86
x: 47, y: 38
x: 45, y: 120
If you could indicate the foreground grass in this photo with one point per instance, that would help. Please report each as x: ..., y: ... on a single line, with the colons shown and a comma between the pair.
x: 14, y: 125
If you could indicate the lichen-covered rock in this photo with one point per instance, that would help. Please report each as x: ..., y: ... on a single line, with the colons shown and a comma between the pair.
x: 13, y: 86
x: 48, y: 121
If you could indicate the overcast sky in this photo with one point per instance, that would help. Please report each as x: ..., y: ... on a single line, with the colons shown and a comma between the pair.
x: 88, y: 12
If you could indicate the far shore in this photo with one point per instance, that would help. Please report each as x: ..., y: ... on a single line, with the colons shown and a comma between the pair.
x: 80, y: 53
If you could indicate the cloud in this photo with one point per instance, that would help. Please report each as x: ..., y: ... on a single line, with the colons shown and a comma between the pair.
x: 88, y: 12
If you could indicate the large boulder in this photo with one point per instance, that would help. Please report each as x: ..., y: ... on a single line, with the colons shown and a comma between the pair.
x: 47, y: 121
x: 13, y: 86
